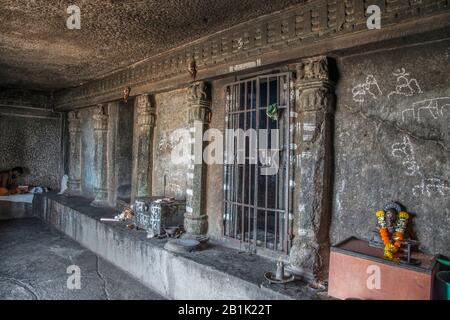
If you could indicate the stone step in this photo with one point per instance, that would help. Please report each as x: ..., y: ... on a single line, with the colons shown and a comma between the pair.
x: 215, y: 273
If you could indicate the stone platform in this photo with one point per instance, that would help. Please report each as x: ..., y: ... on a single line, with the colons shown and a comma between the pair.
x: 34, y: 261
x: 215, y: 273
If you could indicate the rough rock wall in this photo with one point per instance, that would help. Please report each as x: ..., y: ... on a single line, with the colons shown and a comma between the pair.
x: 124, y: 150
x: 172, y: 114
x: 214, y: 175
x: 392, y: 142
x: 30, y: 138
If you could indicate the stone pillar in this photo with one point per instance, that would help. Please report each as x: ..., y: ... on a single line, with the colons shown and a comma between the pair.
x: 195, y: 219
x: 315, y: 103
x: 74, y: 182
x: 146, y: 120
x: 101, y: 159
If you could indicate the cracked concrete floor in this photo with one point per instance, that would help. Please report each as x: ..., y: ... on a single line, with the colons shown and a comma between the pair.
x: 33, y: 262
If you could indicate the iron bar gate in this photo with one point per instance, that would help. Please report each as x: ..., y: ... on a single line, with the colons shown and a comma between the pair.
x: 256, y: 206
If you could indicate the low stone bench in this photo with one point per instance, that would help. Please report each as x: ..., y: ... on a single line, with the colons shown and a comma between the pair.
x: 215, y: 273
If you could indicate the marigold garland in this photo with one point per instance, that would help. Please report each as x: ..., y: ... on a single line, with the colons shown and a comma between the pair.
x: 391, y: 248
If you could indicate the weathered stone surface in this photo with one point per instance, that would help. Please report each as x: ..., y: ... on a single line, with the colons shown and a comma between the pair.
x: 123, y: 150
x: 214, y: 177
x: 310, y: 29
x: 195, y: 219
x: 101, y: 159
x: 392, y: 142
x: 145, y: 123
x: 171, y: 131
x: 38, y: 50
x: 87, y: 152
x: 313, y: 176
x: 216, y: 273
x: 35, y: 261
x: 74, y: 182
x: 30, y: 138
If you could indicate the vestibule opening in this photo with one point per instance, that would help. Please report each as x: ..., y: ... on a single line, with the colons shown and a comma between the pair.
x: 256, y: 166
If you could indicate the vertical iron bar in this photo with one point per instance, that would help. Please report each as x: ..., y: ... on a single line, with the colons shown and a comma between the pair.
x: 255, y: 197
x: 287, y: 164
x: 235, y: 208
x: 244, y: 164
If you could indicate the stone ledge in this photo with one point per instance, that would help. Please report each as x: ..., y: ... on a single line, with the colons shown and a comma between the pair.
x: 216, y: 273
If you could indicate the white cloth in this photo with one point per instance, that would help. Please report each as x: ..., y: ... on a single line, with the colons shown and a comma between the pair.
x: 27, y: 198
x: 64, y: 180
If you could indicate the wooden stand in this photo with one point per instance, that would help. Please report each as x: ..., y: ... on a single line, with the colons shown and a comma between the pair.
x: 354, y: 266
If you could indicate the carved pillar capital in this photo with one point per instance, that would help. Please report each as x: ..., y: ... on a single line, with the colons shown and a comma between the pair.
x: 101, y: 118
x: 199, y: 102
x: 313, y: 69
x: 314, y: 85
x: 74, y: 121
x: 146, y: 111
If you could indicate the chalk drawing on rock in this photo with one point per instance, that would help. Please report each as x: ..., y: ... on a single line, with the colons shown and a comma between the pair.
x: 436, y: 108
x: 404, y: 151
x: 432, y: 187
x: 405, y: 86
x: 368, y: 88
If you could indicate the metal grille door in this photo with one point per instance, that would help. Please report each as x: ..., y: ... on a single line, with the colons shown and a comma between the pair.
x: 255, y: 201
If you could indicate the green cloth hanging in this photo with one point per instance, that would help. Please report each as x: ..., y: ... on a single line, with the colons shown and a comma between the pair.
x: 272, y: 111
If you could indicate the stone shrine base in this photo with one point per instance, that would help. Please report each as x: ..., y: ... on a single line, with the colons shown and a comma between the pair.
x: 215, y: 273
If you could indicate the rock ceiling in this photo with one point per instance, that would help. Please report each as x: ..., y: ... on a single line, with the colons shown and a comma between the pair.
x: 38, y: 51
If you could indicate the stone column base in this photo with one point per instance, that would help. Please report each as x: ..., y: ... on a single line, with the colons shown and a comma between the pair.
x: 101, y: 198
x: 309, y: 260
x: 196, y: 225
x: 100, y: 203
x: 73, y: 188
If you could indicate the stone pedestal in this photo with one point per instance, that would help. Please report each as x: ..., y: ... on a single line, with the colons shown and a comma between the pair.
x: 74, y: 182
x: 101, y: 164
x: 313, y: 173
x: 143, y: 157
x: 196, y: 220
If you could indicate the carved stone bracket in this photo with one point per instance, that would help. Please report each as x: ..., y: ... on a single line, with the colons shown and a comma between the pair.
x: 313, y: 175
x: 101, y: 144
x: 74, y: 182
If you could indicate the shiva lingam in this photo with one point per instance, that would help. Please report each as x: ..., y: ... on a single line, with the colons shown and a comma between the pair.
x: 280, y: 275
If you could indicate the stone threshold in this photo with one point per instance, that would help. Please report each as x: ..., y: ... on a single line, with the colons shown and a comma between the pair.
x: 215, y: 273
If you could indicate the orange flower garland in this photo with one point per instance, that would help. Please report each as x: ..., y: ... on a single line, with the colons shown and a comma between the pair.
x: 389, y: 248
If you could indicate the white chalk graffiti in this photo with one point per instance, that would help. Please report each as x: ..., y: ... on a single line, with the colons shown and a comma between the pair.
x: 369, y: 87
x: 405, y: 86
x: 404, y: 150
x: 428, y: 186
x: 432, y: 186
x: 436, y: 108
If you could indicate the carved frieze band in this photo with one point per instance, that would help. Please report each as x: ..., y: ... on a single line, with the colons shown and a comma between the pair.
x: 291, y: 28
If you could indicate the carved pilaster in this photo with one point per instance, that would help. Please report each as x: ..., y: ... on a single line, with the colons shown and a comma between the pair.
x: 315, y: 104
x: 196, y: 220
x: 146, y: 119
x: 101, y: 144
x: 74, y: 182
